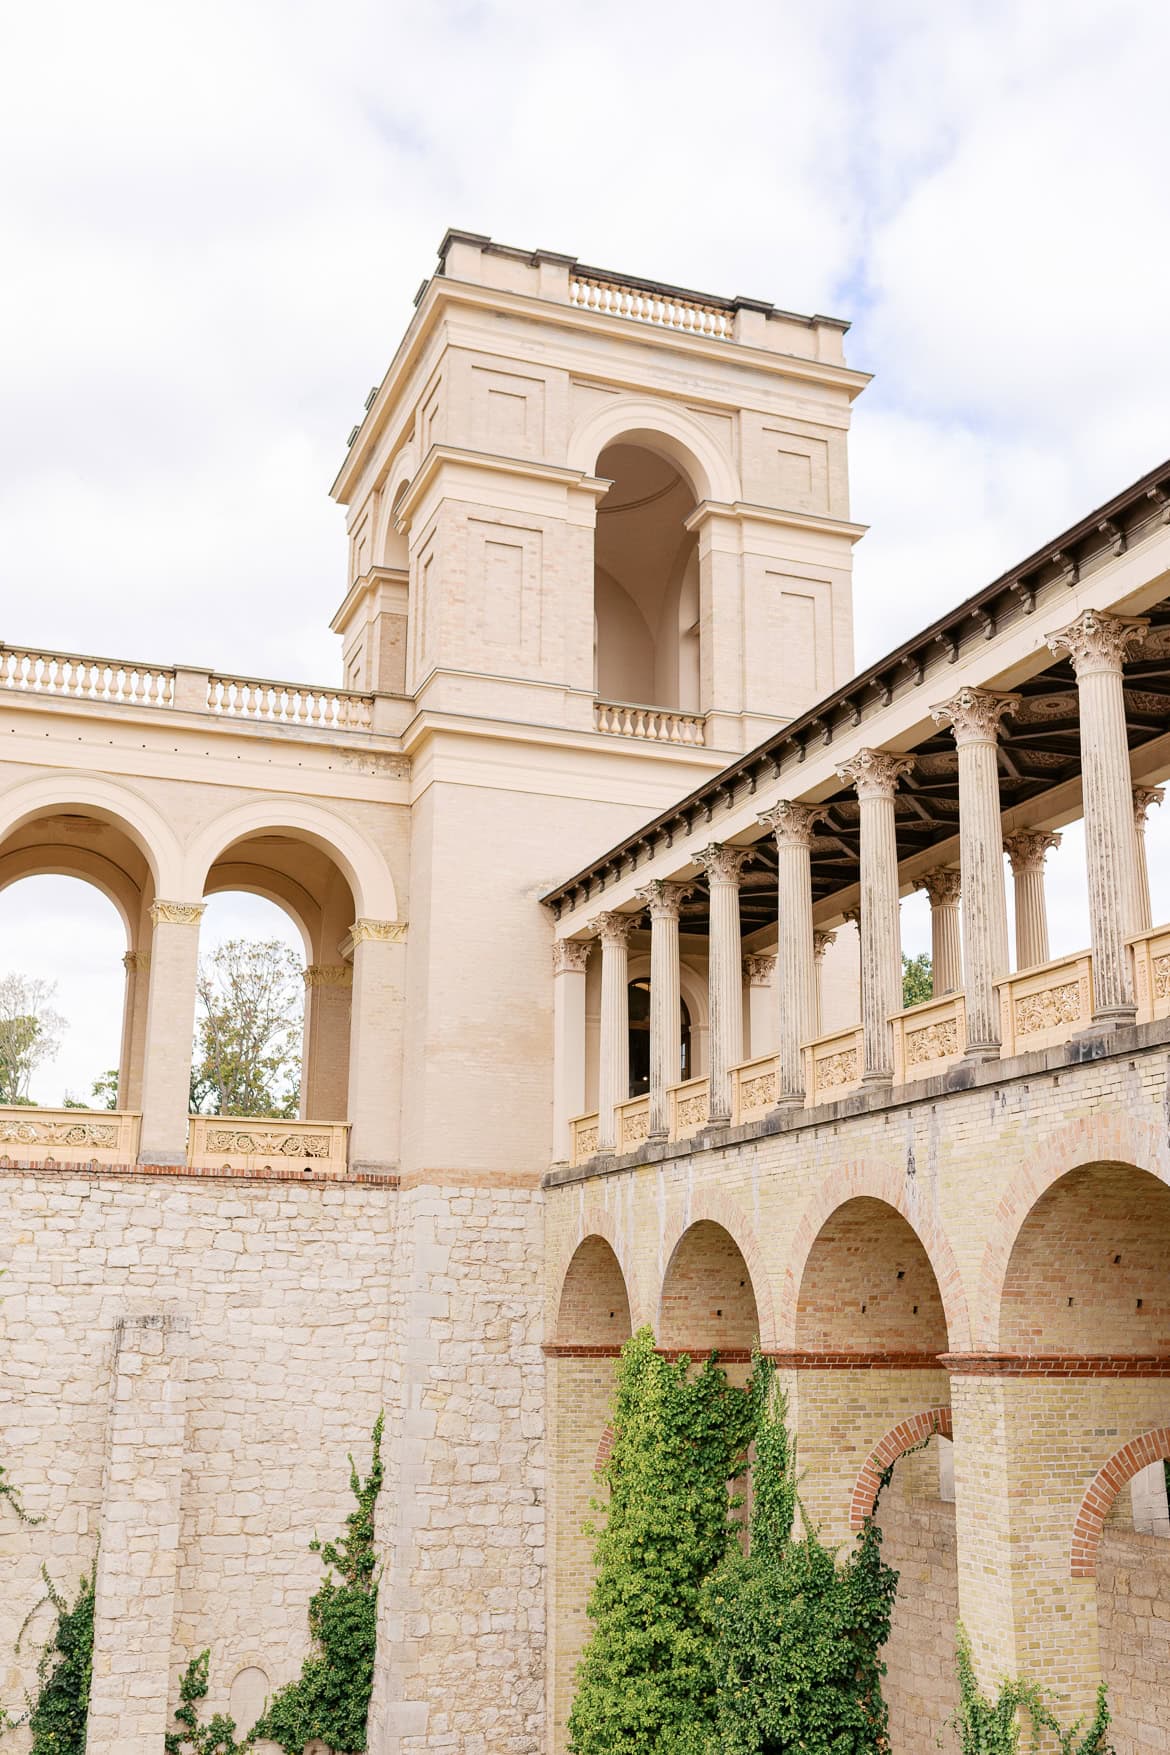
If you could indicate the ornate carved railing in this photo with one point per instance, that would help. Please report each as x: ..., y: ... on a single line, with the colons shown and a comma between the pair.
x: 245, y: 697
x: 86, y: 679
x: 68, y: 1136
x: 632, y: 1123
x: 690, y: 1107
x: 654, y: 723
x: 233, y: 1142
x: 657, y: 305
x: 929, y: 1037
x: 1047, y: 1004
x: 753, y: 1088
x: 1151, y: 974
x: 833, y: 1066
x: 583, y: 1130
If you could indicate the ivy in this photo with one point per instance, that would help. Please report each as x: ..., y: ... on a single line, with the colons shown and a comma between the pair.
x: 11, y: 1494
x: 218, y: 1736
x: 56, y: 1718
x: 645, y: 1680
x: 994, y: 1727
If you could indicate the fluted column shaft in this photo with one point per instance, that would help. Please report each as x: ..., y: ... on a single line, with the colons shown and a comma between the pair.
x: 1027, y: 852
x: 1098, y: 645
x: 723, y: 867
x: 570, y: 957
x: 1143, y: 798
x: 944, y: 888
x: 663, y: 901
x: 821, y: 943
x: 974, y: 716
x: 875, y: 775
x: 613, y: 1081
x: 795, y: 965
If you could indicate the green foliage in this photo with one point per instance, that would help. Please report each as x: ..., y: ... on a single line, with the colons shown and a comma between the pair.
x: 247, y: 1055
x: 917, y: 978
x: 796, y: 1633
x: 104, y: 1090
x: 11, y: 1494
x: 30, y: 1032
x: 331, y: 1697
x: 995, y: 1727
x: 218, y: 1736
x: 57, y: 1716
x: 645, y: 1681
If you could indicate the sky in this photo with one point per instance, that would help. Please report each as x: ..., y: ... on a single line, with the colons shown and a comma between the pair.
x: 215, y: 219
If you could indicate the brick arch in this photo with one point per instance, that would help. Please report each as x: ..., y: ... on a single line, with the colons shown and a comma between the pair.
x: 930, y: 1423
x: 720, y: 1210
x: 604, y: 1226
x: 604, y: 1449
x: 1103, y: 1489
x: 1099, y: 1138
x: 886, y: 1183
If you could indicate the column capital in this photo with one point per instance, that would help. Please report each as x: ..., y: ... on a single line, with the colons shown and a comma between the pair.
x: 1098, y: 641
x: 386, y: 932
x: 613, y: 928
x: 759, y: 970
x: 875, y: 773
x: 177, y: 913
x: 723, y: 864
x: 792, y: 824
x: 329, y: 975
x: 821, y: 943
x: 570, y: 955
x: 1028, y: 849
x: 663, y: 898
x: 974, y: 715
x: 1144, y: 798
x: 943, y: 885
x: 136, y: 962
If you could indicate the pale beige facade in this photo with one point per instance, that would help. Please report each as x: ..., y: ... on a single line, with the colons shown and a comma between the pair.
x: 596, y: 853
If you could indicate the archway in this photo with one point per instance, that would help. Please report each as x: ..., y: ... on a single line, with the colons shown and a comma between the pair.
x: 708, y: 1301
x: 638, y: 1003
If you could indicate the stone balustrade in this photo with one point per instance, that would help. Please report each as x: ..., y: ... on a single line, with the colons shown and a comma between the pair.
x: 690, y: 1108
x: 754, y: 1088
x: 31, y: 1134
x: 243, y: 697
x: 929, y: 1037
x: 76, y: 677
x: 232, y: 1142
x: 583, y: 1137
x: 632, y: 1123
x: 833, y: 1065
x: 653, y: 723
x: 1046, y: 1005
x: 1151, y: 973
x: 657, y: 305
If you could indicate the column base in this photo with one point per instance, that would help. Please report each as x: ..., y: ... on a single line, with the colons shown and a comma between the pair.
x: 787, y: 1102
x: 978, y: 1053
x: 170, y: 1159
x: 877, y: 1081
x: 659, y: 1135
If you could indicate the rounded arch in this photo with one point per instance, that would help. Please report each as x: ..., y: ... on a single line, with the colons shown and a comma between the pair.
x: 887, y: 1184
x: 662, y: 427
x: 930, y: 1423
x: 390, y: 545
x: 275, y: 887
x: 362, y: 865
x: 110, y: 802
x: 82, y: 864
x: 1101, y: 1138
x: 1123, y: 1465
x: 594, y: 1305
x: 722, y: 1215
x: 602, y: 1225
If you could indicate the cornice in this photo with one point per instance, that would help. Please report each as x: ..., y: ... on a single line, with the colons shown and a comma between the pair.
x: 744, y: 511
x: 491, y: 464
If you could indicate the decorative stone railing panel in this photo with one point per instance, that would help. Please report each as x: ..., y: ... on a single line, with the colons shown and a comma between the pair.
x: 1046, y: 1005
x: 753, y: 1088
x: 1151, y: 974
x: 235, y: 1142
x: 690, y: 1108
x: 665, y: 309
x: 78, y: 678
x: 929, y: 1037
x: 833, y: 1066
x: 652, y: 723
x: 242, y: 697
x: 68, y: 1136
x: 584, y: 1136
x: 632, y: 1123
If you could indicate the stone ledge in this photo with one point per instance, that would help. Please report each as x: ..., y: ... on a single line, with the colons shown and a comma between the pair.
x: 149, y: 1172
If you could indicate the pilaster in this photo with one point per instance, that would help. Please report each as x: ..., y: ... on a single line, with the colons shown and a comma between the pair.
x: 1144, y: 797
x: 375, y: 1053
x: 170, y: 1027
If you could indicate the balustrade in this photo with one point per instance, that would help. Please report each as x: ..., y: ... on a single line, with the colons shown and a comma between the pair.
x: 929, y: 1037
x: 232, y: 1142
x: 655, y: 724
x: 241, y: 697
x: 68, y: 1136
x: 833, y: 1065
x: 1046, y: 1005
x: 656, y: 305
x: 754, y: 1088
x: 76, y: 677
x: 584, y: 1136
x: 1151, y: 973
x: 690, y: 1108
x: 632, y: 1123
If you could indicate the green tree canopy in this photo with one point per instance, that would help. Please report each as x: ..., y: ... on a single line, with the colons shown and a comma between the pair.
x: 917, y: 978
x: 247, y: 1056
x: 30, y: 1032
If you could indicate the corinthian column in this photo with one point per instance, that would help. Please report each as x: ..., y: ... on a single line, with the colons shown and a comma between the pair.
x: 792, y: 825
x: 974, y: 716
x: 663, y: 901
x: 1027, y: 852
x: 570, y: 957
x: 170, y: 1026
x: 1098, y: 645
x: 760, y: 973
x: 943, y: 887
x: 875, y: 775
x: 613, y: 1082
x: 821, y: 943
x: 723, y: 866
x: 1143, y: 798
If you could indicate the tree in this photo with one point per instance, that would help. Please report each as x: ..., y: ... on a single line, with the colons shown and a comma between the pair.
x: 917, y: 978
x: 646, y: 1681
x: 247, y: 1057
x: 30, y: 1032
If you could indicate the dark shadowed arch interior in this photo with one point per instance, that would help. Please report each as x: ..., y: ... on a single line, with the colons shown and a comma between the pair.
x: 595, y: 1306
x: 868, y: 1285
x: 707, y: 1296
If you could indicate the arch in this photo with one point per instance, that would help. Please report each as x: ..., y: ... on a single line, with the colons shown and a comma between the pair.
x: 722, y: 1212
x: 930, y: 1423
x: 364, y: 868
x: 82, y: 864
x: 1104, y: 1137
x: 888, y: 1184
x: 275, y: 887
x: 604, y: 1449
x: 660, y: 426
x: 1123, y: 1465
x: 389, y: 547
x: 603, y: 1225
x: 112, y: 803
x: 594, y: 1301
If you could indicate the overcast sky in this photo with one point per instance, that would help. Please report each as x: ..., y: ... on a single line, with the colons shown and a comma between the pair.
x: 215, y: 217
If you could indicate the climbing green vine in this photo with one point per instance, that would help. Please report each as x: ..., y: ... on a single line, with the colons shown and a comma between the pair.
x: 995, y: 1727
x: 57, y: 1715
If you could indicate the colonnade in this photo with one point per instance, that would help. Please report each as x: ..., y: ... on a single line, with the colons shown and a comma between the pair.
x: 968, y: 906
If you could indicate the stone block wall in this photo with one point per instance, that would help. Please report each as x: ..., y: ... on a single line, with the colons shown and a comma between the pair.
x: 1133, y: 1606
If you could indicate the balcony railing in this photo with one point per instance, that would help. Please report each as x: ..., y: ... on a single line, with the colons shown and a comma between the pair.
x: 1043, y: 1006
x: 833, y: 1065
x: 929, y: 1037
x: 632, y: 1123
x: 229, y: 1142
x: 753, y: 1088
x: 1151, y: 974
x: 243, y: 697
x: 654, y: 723
x: 660, y: 306
x: 690, y: 1108
x: 86, y: 679
x: 584, y: 1137
x: 68, y: 1136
